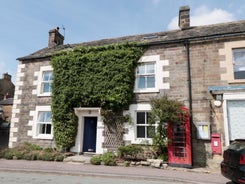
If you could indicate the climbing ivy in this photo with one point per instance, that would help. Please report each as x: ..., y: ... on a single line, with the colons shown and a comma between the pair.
x: 99, y: 76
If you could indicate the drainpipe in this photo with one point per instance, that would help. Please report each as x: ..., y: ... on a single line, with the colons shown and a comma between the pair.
x: 187, y: 46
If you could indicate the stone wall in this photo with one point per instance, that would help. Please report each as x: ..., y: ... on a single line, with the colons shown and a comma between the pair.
x: 205, y: 72
x: 25, y: 101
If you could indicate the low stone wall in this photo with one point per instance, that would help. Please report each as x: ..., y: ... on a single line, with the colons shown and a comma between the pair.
x: 155, y: 163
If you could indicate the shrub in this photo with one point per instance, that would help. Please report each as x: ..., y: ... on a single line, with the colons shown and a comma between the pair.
x: 2, y: 153
x: 96, y: 160
x: 129, y: 151
x: 59, y: 157
x: 30, y: 147
x: 30, y: 151
x: 126, y: 163
x: 9, y: 154
x: 108, y: 159
x: 33, y: 155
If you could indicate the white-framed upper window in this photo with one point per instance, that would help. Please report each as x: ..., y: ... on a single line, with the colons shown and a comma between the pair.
x: 143, y: 128
x: 46, y: 86
x: 145, y: 76
x: 45, y: 79
x: 42, y: 123
x: 150, y: 74
x: 239, y: 63
x: 233, y: 62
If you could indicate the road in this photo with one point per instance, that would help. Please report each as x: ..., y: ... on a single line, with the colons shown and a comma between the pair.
x: 40, y: 178
x: 41, y: 172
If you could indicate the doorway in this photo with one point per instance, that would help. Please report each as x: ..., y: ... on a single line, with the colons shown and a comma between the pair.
x: 89, y: 136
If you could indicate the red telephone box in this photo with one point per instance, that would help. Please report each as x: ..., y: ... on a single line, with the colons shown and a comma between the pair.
x: 179, y: 147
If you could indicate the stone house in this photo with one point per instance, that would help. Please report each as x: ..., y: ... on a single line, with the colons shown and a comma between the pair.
x: 6, y: 87
x: 6, y: 96
x: 6, y: 103
x: 202, y: 66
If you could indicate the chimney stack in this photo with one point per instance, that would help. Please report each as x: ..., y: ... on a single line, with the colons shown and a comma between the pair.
x: 55, y: 38
x: 184, y: 17
x: 7, y: 77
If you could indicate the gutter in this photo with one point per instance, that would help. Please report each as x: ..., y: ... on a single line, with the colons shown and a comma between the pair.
x: 187, y: 46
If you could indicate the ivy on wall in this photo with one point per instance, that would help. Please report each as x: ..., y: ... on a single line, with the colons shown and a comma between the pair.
x: 101, y: 76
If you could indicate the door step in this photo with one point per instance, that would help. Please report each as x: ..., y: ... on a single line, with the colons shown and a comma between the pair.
x: 89, y: 154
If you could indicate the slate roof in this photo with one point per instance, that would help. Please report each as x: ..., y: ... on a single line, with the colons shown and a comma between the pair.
x: 193, y: 33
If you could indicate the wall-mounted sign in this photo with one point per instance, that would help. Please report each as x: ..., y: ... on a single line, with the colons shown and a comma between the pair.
x: 203, y: 130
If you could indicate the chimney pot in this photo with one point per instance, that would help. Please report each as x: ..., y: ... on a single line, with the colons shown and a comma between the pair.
x: 55, y: 38
x: 184, y: 17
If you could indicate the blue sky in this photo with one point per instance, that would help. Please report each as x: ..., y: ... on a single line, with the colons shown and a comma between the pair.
x: 25, y: 23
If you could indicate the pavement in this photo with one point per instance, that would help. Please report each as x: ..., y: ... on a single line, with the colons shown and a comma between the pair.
x: 86, y: 160
x: 78, y: 165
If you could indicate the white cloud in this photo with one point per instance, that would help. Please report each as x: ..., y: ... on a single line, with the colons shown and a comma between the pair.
x: 203, y: 16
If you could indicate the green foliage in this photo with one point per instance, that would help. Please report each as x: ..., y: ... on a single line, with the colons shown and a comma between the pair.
x: 129, y: 151
x: 109, y: 159
x: 100, y: 76
x: 28, y: 151
x: 96, y: 160
x: 164, y: 110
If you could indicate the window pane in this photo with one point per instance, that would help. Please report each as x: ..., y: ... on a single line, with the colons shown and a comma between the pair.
x: 148, y: 117
x: 44, y: 116
x: 141, y: 132
x: 150, y: 68
x: 45, y: 128
x: 141, y: 69
x: 42, y: 128
x: 140, y: 117
x: 47, y: 76
x: 47, y: 87
x: 48, y: 130
x: 150, y: 82
x: 141, y: 82
x: 150, y: 131
x: 239, y: 63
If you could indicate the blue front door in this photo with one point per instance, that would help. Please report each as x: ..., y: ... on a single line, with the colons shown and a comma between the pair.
x: 89, y: 139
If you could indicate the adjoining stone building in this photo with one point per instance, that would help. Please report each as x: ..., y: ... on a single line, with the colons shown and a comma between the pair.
x: 6, y: 103
x: 6, y: 87
x: 202, y: 66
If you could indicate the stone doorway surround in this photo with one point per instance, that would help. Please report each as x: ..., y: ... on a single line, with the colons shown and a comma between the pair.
x: 82, y: 112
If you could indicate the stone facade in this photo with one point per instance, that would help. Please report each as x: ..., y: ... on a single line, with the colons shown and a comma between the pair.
x: 193, y: 65
x: 25, y: 102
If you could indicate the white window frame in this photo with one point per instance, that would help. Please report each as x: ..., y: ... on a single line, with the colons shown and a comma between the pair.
x: 131, y: 136
x: 227, y: 62
x: 146, y: 75
x: 235, y: 64
x: 146, y: 125
x: 159, y: 74
x: 36, y: 134
x: 40, y: 81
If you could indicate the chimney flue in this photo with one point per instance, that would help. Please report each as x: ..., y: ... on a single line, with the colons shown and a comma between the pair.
x: 55, y: 38
x: 184, y: 17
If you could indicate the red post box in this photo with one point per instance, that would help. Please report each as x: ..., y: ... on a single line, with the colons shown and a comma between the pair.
x: 216, y: 144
